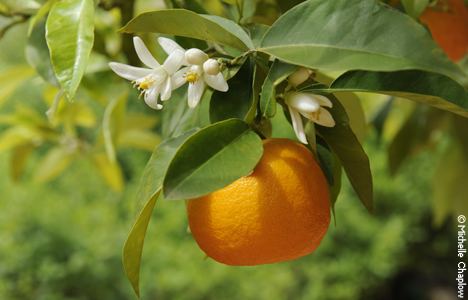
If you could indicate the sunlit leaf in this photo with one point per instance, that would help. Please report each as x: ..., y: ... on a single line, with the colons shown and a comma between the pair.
x: 138, y: 139
x: 211, y: 159
x: 354, y: 34
x: 203, y: 27
x: 70, y: 35
x: 109, y: 170
x: 53, y: 164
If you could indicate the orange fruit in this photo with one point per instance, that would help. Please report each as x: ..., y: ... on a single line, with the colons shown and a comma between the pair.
x: 448, y: 23
x: 279, y: 212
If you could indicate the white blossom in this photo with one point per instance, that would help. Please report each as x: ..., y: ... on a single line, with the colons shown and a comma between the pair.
x: 308, y: 105
x: 199, y: 72
x: 156, y: 80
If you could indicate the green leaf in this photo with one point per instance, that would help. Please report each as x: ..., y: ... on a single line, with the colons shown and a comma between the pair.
x: 278, y: 72
x: 342, y: 35
x: 413, y: 135
x: 37, y: 54
x: 18, y: 159
x: 148, y: 191
x: 449, y: 185
x: 70, y: 37
x: 53, y: 164
x: 109, y: 170
x: 211, y: 159
x: 133, y: 248
x: 186, y: 23
x: 429, y: 88
x: 346, y: 146
x: 331, y: 167
x: 415, y: 8
x: 237, y: 101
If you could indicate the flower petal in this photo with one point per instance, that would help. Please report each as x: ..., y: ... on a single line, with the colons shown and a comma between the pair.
x: 178, y: 79
x: 195, y: 92
x: 174, y: 62
x: 129, y: 72
x: 151, y: 98
x: 297, y: 125
x: 166, y: 91
x: 303, y: 102
x: 169, y: 45
x: 216, y: 81
x: 323, y: 101
x: 144, y: 54
x: 324, y: 118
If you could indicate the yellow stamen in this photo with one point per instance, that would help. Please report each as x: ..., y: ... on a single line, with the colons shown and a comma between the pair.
x: 146, y: 83
x: 191, y: 77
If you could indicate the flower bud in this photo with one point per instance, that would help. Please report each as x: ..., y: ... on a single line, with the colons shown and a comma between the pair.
x: 298, y: 77
x: 211, y: 67
x: 195, y: 56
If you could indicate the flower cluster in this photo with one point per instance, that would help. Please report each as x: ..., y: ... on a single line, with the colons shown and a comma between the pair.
x: 192, y: 66
x: 308, y: 105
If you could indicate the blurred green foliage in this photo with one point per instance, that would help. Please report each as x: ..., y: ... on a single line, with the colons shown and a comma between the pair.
x: 63, y: 241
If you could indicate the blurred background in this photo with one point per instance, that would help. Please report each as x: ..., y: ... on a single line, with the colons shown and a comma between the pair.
x: 68, y: 183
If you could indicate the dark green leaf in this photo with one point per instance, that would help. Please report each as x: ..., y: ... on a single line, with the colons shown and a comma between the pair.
x: 429, y: 88
x: 345, y: 144
x: 70, y: 36
x: 237, y: 101
x: 279, y: 71
x: 211, y: 159
x: 186, y: 23
x: 354, y: 34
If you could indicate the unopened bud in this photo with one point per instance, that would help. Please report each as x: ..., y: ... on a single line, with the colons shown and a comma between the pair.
x: 298, y: 77
x: 195, y: 56
x: 211, y: 67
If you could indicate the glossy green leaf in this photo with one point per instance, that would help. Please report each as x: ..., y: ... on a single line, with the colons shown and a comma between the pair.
x: 211, y: 159
x: 148, y: 191
x: 70, y: 37
x: 37, y: 54
x: 186, y: 23
x: 344, y: 143
x: 343, y: 35
x: 429, y: 88
x: 237, y: 101
x: 278, y: 72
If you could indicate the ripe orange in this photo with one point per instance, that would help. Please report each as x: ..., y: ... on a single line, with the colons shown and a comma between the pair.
x: 279, y: 212
x: 448, y: 23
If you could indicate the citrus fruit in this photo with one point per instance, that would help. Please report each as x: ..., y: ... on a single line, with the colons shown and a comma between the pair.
x: 448, y: 23
x: 279, y: 212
